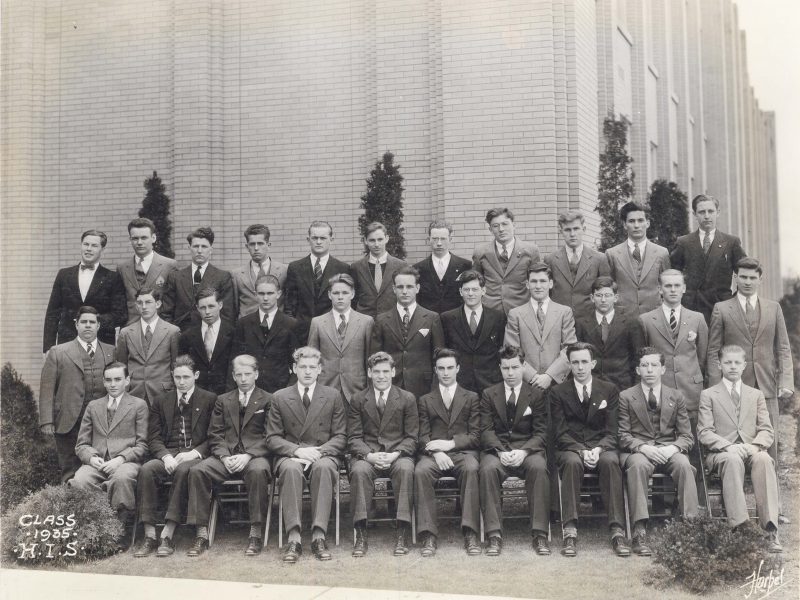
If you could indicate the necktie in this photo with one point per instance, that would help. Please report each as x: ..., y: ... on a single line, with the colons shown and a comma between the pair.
x: 511, y: 409
x: 181, y: 405
x: 604, y: 327
x: 261, y: 271
x: 750, y: 315
x: 381, y: 404
x: 573, y: 263
x: 504, y: 254
x: 318, y: 270
x: 585, y: 394
x: 265, y: 323
x: 198, y: 277
x: 473, y: 322
x: 446, y: 398
x: 637, y: 255
x: 90, y: 350
x: 184, y: 401
x: 208, y: 342
x: 652, y: 403
x: 242, y: 402
x: 306, y: 399
x: 148, y: 336
x: 673, y: 322
x: 112, y: 410
x: 140, y: 274
x: 406, y: 319
x: 540, y: 316
x: 378, y: 277
x: 440, y: 270
x: 706, y: 243
x: 342, y: 326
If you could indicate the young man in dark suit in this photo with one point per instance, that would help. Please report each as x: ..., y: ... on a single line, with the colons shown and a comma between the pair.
x: 86, y: 284
x: 439, y: 272
x: 373, y: 274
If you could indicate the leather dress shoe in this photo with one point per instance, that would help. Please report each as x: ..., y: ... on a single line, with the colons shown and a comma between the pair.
x: 360, y: 544
x: 166, y: 548
x: 783, y: 520
x: 471, y: 544
x: 495, y: 546
x: 254, y: 545
x: 199, y: 546
x: 569, y: 548
x: 429, y: 546
x: 401, y: 545
x: 774, y: 544
x: 640, y: 546
x: 320, y: 549
x: 620, y: 546
x: 292, y: 552
x: 147, y: 548
x: 541, y: 545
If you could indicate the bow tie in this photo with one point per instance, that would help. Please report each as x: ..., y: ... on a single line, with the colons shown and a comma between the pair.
x: 87, y: 267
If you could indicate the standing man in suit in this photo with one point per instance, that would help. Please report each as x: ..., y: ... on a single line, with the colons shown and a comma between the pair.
x: 183, y: 285
x: 514, y: 443
x: 654, y: 434
x: 244, y: 279
x: 476, y: 332
x: 584, y: 418
x: 612, y: 333
x: 269, y: 335
x: 734, y: 427
x: 409, y: 333
x: 210, y: 343
x: 307, y: 278
x: 237, y: 445
x: 504, y: 262
x: 373, y: 274
x: 438, y: 274
x: 575, y: 266
x: 72, y: 376
x: 542, y: 329
x: 707, y: 258
x: 86, y: 284
x: 307, y: 433
x: 636, y: 263
x: 148, y: 347
x: 177, y: 440
x: 146, y: 268
x: 342, y: 336
x: 382, y: 432
x: 449, y: 444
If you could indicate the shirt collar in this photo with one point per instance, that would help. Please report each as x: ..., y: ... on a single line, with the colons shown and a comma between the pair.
x: 478, y: 311
x: 385, y: 393
x: 255, y: 268
x: 90, y: 267
x: 517, y: 390
x: 712, y: 233
x: 579, y: 387
x: 578, y: 251
x: 753, y: 300
x: 189, y: 395
x: 83, y: 344
x: 112, y: 401
x: 666, y: 309
x: 214, y: 327
x: 641, y: 245
x: 152, y: 324
x: 246, y: 395
x: 201, y: 267
x: 730, y: 384
x: 346, y: 314
x: 323, y: 260
x: 146, y: 260
x: 270, y: 315
x: 401, y: 310
x: 609, y: 317
x: 545, y: 304
x: 451, y: 389
x: 445, y: 259
x: 382, y: 259
x: 509, y: 246
x: 301, y: 388
x: 656, y: 391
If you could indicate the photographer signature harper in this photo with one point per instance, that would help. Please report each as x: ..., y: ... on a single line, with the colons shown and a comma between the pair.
x: 760, y: 586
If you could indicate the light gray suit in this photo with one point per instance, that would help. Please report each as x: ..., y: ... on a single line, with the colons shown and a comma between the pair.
x: 638, y: 293
x: 244, y: 286
x: 575, y: 291
x: 156, y: 278
x: 151, y: 371
x: 505, y: 285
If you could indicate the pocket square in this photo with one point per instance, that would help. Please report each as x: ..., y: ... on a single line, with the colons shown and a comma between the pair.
x: 424, y: 332
x: 527, y: 412
x: 258, y: 411
x: 603, y: 404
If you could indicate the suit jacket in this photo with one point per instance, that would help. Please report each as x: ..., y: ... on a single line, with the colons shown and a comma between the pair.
x: 718, y: 425
x: 529, y: 431
x: 576, y: 428
x: 226, y: 431
x: 505, y: 288
x: 616, y: 356
x: 635, y: 428
x: 244, y: 286
x: 368, y: 300
x: 462, y: 423
x: 685, y: 359
x: 178, y: 304
x: 214, y: 372
x: 545, y: 352
x: 397, y: 431
x: 162, y: 413
x: 300, y: 300
x: 575, y: 291
x: 273, y: 351
x: 151, y: 371
x: 324, y: 427
x: 479, y: 360
x: 768, y: 355
x: 413, y: 356
x: 440, y: 295
x: 344, y: 362
x: 708, y: 278
x: 638, y: 294
x: 106, y: 294
x: 156, y: 278
x: 125, y: 436
x: 63, y: 386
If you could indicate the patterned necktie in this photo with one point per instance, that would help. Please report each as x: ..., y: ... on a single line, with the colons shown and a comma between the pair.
x: 139, y: 269
x: 706, y: 243
x: 585, y: 394
x: 90, y: 350
x: 342, y: 326
x: 540, y: 316
x: 148, y: 336
x: 735, y: 397
x: 504, y: 254
x: 511, y: 409
x: 573, y: 263
x: 440, y: 269
x: 184, y: 401
x: 112, y: 410
x: 265, y: 324
x: 318, y: 271
x: 406, y: 319
x: 381, y: 404
x: 473, y: 322
x: 208, y: 342
x: 652, y: 403
x: 637, y: 255
x: 446, y: 398
x: 306, y: 399
x: 242, y: 401
x: 673, y: 323
x: 604, y: 327
x: 750, y: 316
x: 378, y: 277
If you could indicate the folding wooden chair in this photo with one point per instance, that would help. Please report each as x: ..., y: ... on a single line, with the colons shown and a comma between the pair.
x: 233, y: 493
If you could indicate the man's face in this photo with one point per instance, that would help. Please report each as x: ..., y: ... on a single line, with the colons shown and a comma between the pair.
x: 209, y: 309
x: 604, y: 300
x: 440, y: 241
x: 706, y: 214
x: 405, y: 288
x: 184, y: 379
x: 511, y: 370
x: 636, y: 224
x: 539, y: 285
x: 581, y: 364
x: 142, y: 240
x: 147, y: 306
x: 572, y: 232
x: 341, y: 296
x: 733, y: 364
x: 376, y: 243
x: 268, y: 295
x: 115, y: 381
x: 502, y: 229
x: 381, y: 376
x: 87, y: 326
x: 91, y: 249
x: 245, y: 377
x: 258, y: 247
x: 307, y: 371
x: 447, y: 370
x: 472, y: 293
x: 319, y: 238
x: 672, y: 289
x: 201, y: 251
x: 650, y: 369
x: 747, y: 282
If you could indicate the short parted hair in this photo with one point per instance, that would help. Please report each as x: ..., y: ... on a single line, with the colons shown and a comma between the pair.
x: 406, y: 271
x: 493, y: 213
x: 630, y: 207
x: 749, y: 262
x: 445, y: 353
x: 668, y: 273
x: 703, y: 198
x: 380, y: 357
x: 319, y: 224
x: 342, y: 278
x: 142, y: 222
x: 149, y: 291
x: 440, y: 225
x: 244, y: 360
x: 604, y: 281
x: 204, y: 233
x: 184, y: 360
x: 306, y: 352
x: 116, y: 365
x: 257, y: 229
x: 268, y: 279
x: 508, y: 352
x: 87, y: 309
x: 103, y: 237
x: 540, y: 267
x: 647, y: 351
x: 732, y: 349
x: 568, y: 216
x: 206, y: 292
x: 578, y: 346
x: 471, y: 275
x: 375, y: 226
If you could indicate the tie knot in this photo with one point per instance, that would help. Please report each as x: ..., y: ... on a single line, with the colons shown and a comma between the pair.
x: 305, y: 391
x: 148, y: 330
x: 89, y: 347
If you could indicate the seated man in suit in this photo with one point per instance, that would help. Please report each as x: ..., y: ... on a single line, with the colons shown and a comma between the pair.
x: 409, y: 333
x: 382, y: 432
x: 86, y: 284
x: 584, y: 423
x: 504, y: 262
x: 244, y: 279
x: 210, y: 343
x: 269, y: 335
x: 514, y: 443
x: 307, y: 433
x: 439, y: 272
x: 575, y: 266
x: 449, y: 443
x: 612, y: 333
x: 237, y: 444
x: 373, y: 284
x: 636, y: 263
x: 476, y: 332
x: 148, y: 347
x: 177, y: 441
x: 735, y: 429
x: 112, y: 442
x: 183, y: 284
x: 72, y: 376
x: 654, y: 434
x: 342, y: 336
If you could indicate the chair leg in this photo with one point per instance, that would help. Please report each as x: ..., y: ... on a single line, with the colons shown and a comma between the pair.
x: 481, y: 522
x: 560, y: 505
x: 212, y: 521
x: 413, y: 526
x: 627, y: 510
x: 135, y: 527
x: 269, y: 513
x: 338, y: 509
x: 280, y: 522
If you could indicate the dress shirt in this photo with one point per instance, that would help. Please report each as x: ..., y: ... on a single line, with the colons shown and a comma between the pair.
x: 385, y: 394
x: 85, y: 277
x: 152, y: 325
x: 188, y: 395
x: 577, y: 251
x: 451, y: 390
x: 580, y: 386
x: 302, y: 388
x: 632, y: 244
x: 656, y: 391
x: 545, y: 304
x: 402, y: 311
x: 441, y: 264
x: 113, y: 403
x: 609, y: 317
x: 246, y: 396
x: 201, y: 268
x: 381, y: 259
x: 270, y: 316
x: 478, y: 312
x: 753, y: 300
x: 517, y: 390
x: 729, y: 385
x: 145, y: 262
x: 254, y: 268
x: 666, y: 309
x: 338, y: 319
x: 712, y: 234
x: 84, y: 344
x: 214, y: 331
x: 323, y: 261
x: 509, y: 247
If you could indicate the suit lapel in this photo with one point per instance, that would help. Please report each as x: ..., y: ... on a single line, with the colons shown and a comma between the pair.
x: 500, y: 403
x: 326, y: 275
x: 716, y: 250
x: 550, y: 319
x: 491, y: 256
x: 667, y: 408
x: 649, y: 258
x: 725, y: 401
x: 317, y: 404
x: 458, y: 404
x: 661, y: 325
x: 233, y: 409
x: 185, y: 281
x: 392, y: 401
x: 224, y: 336
x: 295, y: 404
x: 438, y: 405
x: 396, y: 326
x: 371, y: 406
x: 158, y: 336
x: 573, y: 401
x: 122, y: 410
x: 583, y: 264
x: 97, y: 281
x: 76, y: 352
x: 626, y: 262
x: 640, y: 408
x: 762, y: 321
x: 515, y: 257
x: 748, y: 400
x: 170, y: 404
x: 529, y: 316
x: 738, y: 317
x: 523, y: 402
x: 256, y: 403
x: 562, y: 264
x: 353, y: 328
x: 156, y: 266
x: 615, y: 328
